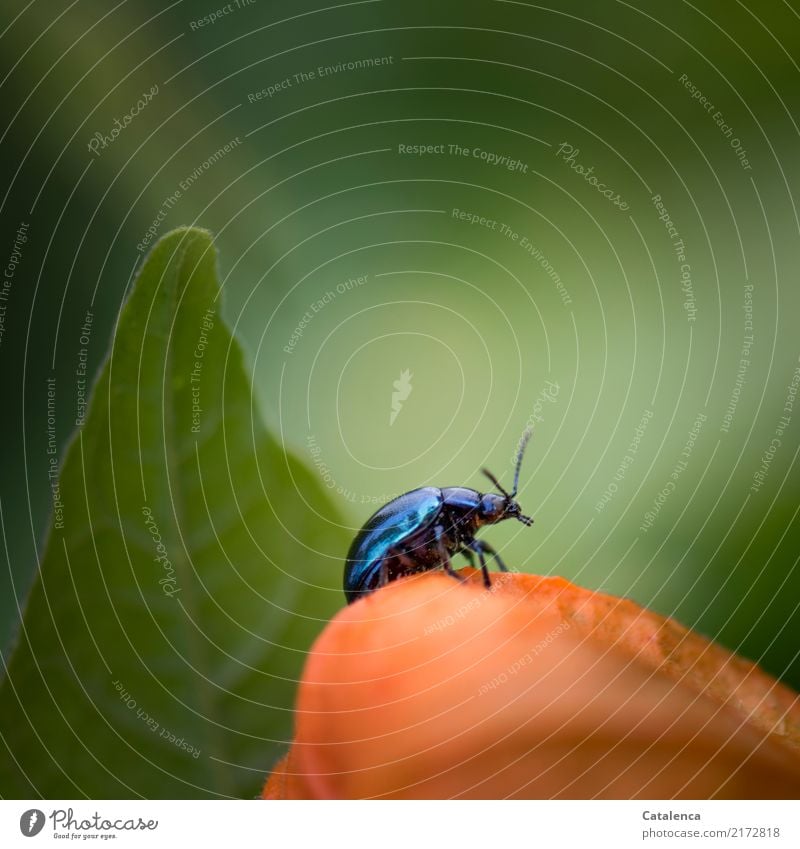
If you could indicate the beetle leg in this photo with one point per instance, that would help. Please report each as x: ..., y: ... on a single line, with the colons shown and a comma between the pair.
x: 394, y: 557
x: 444, y: 554
x: 406, y: 565
x: 489, y: 550
x: 383, y: 578
x: 475, y: 545
x: 468, y: 556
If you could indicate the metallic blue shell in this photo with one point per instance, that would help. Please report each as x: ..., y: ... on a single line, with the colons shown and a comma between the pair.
x: 391, y: 524
x: 461, y: 497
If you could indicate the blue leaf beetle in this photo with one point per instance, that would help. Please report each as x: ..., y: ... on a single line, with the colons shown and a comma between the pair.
x: 422, y: 529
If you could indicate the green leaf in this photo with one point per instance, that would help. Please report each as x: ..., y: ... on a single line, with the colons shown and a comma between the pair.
x: 183, y: 579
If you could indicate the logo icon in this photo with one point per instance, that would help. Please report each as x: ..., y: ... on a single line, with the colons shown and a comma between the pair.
x: 31, y: 822
x: 402, y: 389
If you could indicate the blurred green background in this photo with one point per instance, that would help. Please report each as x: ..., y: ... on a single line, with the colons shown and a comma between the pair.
x: 588, y: 318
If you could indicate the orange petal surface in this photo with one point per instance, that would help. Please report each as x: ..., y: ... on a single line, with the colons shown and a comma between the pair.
x: 537, y: 688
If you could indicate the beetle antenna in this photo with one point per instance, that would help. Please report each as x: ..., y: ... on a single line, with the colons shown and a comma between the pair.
x: 523, y: 442
x: 496, y: 482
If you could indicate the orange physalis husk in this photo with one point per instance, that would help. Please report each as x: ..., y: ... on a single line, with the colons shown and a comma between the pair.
x: 537, y: 688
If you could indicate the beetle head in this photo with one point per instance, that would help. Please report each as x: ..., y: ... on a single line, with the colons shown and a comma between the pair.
x: 495, y: 508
